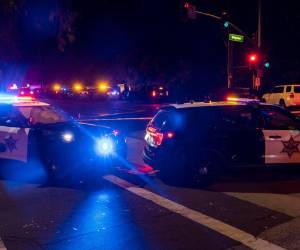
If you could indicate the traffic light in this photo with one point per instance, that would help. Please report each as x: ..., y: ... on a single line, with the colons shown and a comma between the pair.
x: 266, y: 64
x: 253, y: 58
x: 226, y: 24
x: 225, y: 19
x: 191, y: 10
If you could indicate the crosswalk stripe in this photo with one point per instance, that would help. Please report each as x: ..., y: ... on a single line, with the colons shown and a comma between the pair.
x: 200, y: 218
x: 286, y: 204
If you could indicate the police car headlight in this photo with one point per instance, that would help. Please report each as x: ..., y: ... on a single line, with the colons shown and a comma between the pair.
x: 68, y: 137
x: 104, y: 146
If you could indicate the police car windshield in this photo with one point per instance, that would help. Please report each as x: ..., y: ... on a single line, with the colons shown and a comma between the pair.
x: 43, y: 115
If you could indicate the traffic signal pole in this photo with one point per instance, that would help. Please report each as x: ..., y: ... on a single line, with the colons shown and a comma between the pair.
x: 259, y: 25
x: 230, y: 25
x: 229, y: 63
x: 257, y: 73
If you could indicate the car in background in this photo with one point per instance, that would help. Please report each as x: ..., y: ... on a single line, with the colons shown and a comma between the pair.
x: 284, y: 95
x: 114, y: 93
x: 48, y: 143
x: 156, y: 93
x: 26, y: 92
x: 195, y: 142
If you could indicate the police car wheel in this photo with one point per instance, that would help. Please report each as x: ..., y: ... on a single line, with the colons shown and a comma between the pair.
x: 52, y: 173
x: 205, y: 171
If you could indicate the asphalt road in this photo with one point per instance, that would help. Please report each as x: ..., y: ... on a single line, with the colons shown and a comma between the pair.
x: 256, y: 209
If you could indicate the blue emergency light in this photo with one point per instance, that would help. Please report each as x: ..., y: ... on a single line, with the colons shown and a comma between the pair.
x: 105, y: 146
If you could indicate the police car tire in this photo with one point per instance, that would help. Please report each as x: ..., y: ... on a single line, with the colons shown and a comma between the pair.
x: 206, y: 169
x: 52, y: 176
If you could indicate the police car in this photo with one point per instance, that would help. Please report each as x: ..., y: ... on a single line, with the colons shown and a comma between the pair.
x: 196, y: 141
x: 51, y: 142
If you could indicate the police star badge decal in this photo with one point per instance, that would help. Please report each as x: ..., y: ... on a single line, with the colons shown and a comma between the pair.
x: 290, y: 147
x: 10, y: 143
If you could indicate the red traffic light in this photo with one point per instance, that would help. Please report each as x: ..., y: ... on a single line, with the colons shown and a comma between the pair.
x: 186, y: 5
x: 191, y: 10
x: 253, y: 58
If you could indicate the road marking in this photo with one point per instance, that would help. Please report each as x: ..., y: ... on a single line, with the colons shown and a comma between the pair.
x: 281, y: 203
x: 205, y: 220
x: 2, y: 246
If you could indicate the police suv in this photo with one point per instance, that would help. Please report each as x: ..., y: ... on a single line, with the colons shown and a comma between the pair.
x: 195, y: 141
x: 47, y: 142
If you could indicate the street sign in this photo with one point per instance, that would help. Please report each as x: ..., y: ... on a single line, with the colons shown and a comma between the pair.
x: 236, y: 38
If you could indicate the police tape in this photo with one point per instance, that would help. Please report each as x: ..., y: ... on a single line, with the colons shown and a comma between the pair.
x: 116, y: 119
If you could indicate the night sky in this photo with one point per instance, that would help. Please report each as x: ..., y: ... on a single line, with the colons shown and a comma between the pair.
x: 146, y: 41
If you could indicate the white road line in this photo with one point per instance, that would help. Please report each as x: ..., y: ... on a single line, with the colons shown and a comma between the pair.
x: 286, y: 204
x: 2, y: 246
x: 205, y: 220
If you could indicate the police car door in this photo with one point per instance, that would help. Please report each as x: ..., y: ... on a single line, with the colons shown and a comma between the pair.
x: 281, y: 134
x: 238, y: 134
x: 13, y: 134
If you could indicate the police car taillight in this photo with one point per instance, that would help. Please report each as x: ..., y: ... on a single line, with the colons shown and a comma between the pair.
x: 170, y: 135
x: 153, y: 136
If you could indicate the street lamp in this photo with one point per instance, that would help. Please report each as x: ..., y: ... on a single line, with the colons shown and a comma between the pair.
x: 78, y: 86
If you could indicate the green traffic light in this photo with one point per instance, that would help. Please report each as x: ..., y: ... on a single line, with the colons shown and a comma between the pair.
x: 267, y: 64
x: 226, y: 24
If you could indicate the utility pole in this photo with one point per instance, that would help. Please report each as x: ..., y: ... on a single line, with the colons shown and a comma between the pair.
x: 229, y: 63
x: 257, y: 77
x: 259, y: 25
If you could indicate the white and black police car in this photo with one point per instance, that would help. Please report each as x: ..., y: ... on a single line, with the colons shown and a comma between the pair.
x: 47, y: 142
x: 196, y: 141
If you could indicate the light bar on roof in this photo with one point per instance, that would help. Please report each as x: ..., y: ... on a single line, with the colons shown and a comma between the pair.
x: 236, y: 99
x: 25, y: 99
x: 4, y: 98
x: 9, y: 99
